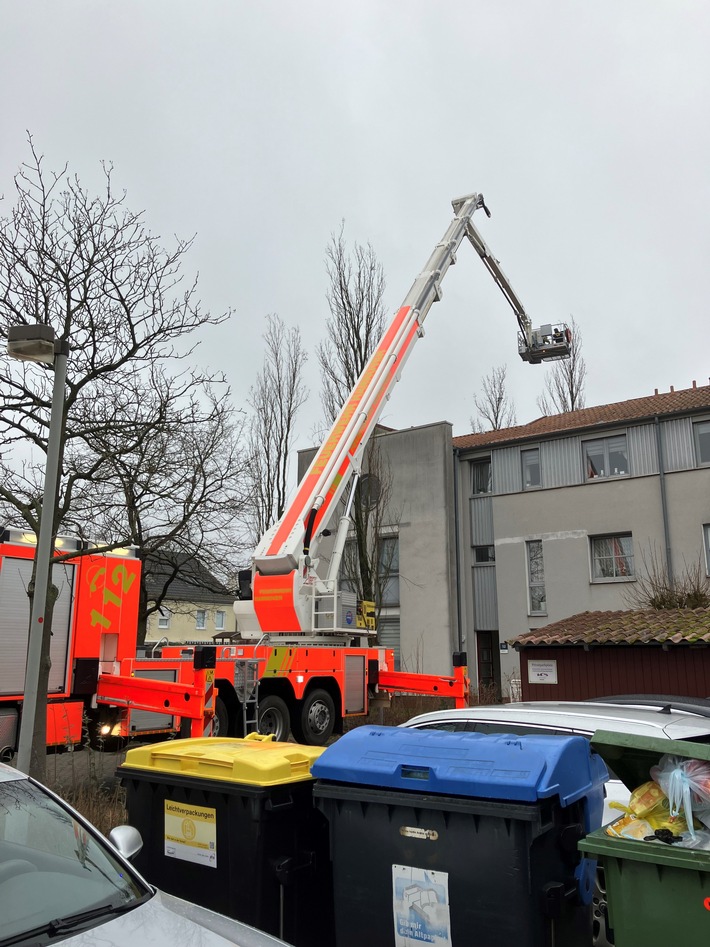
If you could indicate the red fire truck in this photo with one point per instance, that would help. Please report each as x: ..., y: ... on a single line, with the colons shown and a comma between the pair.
x: 302, y: 661
x: 94, y: 624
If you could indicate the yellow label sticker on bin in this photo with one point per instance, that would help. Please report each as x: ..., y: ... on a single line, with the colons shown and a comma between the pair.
x: 191, y: 833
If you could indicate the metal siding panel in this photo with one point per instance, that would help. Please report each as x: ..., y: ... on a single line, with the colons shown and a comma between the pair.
x: 643, y: 455
x: 485, y: 599
x: 15, y: 575
x: 617, y: 669
x: 678, y: 444
x: 482, y: 521
x: 561, y: 462
x: 505, y: 466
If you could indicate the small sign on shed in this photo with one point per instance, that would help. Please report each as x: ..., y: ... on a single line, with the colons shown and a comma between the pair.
x: 542, y: 672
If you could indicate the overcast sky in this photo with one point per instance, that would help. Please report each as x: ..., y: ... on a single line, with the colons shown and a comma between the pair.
x: 259, y: 126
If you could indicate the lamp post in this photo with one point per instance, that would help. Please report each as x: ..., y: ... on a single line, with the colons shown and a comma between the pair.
x: 37, y: 343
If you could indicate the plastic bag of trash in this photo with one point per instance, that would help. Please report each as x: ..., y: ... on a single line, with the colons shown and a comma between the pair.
x: 687, y: 784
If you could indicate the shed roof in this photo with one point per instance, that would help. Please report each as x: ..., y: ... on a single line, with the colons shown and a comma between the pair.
x: 677, y: 626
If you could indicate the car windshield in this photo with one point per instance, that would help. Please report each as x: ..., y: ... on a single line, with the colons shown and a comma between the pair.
x: 56, y: 877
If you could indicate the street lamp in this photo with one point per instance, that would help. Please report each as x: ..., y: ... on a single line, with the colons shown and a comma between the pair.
x: 37, y: 343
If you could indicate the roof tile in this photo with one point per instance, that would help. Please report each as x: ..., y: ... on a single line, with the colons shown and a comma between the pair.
x: 664, y: 404
x: 678, y: 626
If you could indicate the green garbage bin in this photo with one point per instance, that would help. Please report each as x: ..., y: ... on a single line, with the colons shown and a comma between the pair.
x: 657, y: 894
x: 230, y: 824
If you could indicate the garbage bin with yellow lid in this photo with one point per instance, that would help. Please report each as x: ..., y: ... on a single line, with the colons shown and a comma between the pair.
x: 230, y: 824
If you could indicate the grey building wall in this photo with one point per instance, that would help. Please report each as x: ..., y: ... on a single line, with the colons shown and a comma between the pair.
x: 421, y: 510
x: 564, y: 513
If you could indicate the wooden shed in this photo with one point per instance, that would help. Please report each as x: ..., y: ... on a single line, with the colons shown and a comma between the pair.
x: 600, y: 654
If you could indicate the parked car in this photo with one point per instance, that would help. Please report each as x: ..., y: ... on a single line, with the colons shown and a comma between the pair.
x: 61, y: 880
x: 661, y: 716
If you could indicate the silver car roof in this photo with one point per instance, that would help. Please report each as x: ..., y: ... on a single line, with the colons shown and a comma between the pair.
x: 580, y: 716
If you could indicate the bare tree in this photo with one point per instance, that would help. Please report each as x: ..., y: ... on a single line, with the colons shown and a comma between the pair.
x: 564, y: 385
x: 495, y: 407
x: 176, y: 489
x: 357, y: 319
x: 367, y: 562
x: 656, y: 587
x: 356, y: 325
x: 275, y: 400
x: 87, y: 266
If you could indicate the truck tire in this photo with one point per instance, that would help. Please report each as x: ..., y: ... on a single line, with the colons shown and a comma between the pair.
x: 316, y: 719
x: 274, y: 717
x: 220, y: 722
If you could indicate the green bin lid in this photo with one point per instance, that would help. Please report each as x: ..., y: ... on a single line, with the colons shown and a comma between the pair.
x: 254, y: 760
x: 630, y: 757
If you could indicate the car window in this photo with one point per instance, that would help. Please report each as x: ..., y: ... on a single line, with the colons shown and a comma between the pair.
x: 452, y: 726
x: 52, y: 866
x: 520, y: 728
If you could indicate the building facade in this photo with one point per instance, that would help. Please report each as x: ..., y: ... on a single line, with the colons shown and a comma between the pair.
x: 569, y: 513
x: 195, y: 607
x: 505, y: 532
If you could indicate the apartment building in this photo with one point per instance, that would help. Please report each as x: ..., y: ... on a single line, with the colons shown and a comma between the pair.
x: 565, y: 514
x: 502, y: 533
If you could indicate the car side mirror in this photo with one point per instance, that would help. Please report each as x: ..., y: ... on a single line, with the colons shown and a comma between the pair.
x: 127, y: 839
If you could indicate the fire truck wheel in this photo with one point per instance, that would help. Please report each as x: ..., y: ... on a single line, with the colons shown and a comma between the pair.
x: 274, y: 717
x: 220, y: 721
x: 316, y: 718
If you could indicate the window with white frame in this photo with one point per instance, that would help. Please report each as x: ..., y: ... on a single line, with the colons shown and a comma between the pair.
x: 530, y: 460
x: 536, y: 578
x: 201, y: 619
x: 481, y: 481
x: 219, y: 620
x: 612, y: 557
x: 701, y: 432
x: 706, y: 544
x: 606, y: 457
x: 163, y: 618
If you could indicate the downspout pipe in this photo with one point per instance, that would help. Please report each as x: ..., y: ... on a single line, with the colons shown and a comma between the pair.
x: 664, y: 500
x: 457, y: 548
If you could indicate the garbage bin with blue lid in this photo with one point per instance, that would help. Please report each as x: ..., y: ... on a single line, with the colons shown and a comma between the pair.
x: 460, y: 838
x: 230, y: 824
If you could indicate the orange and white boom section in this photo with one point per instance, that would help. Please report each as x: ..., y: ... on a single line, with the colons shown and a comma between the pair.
x: 285, y: 583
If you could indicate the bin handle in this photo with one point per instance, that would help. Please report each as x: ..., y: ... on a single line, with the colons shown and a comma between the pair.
x: 260, y: 737
x: 275, y: 806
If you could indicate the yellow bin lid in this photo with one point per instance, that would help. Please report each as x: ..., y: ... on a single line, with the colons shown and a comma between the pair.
x: 255, y: 760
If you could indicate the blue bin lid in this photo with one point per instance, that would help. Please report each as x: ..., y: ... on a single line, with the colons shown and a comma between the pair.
x: 488, y: 766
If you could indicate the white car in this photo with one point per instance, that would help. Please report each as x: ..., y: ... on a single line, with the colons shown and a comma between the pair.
x: 62, y: 881
x: 672, y: 718
x: 663, y: 717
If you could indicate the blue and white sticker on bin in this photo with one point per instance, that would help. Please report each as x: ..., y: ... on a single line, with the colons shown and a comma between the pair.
x: 421, y: 906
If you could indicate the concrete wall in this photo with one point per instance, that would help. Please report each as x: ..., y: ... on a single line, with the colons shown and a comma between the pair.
x: 421, y: 510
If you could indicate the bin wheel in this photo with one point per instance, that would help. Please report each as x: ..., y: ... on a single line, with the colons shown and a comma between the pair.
x: 274, y: 717
x: 316, y: 719
x: 220, y: 721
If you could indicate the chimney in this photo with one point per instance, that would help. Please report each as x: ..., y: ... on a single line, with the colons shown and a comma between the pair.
x: 656, y: 391
x: 672, y: 389
x: 694, y: 384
